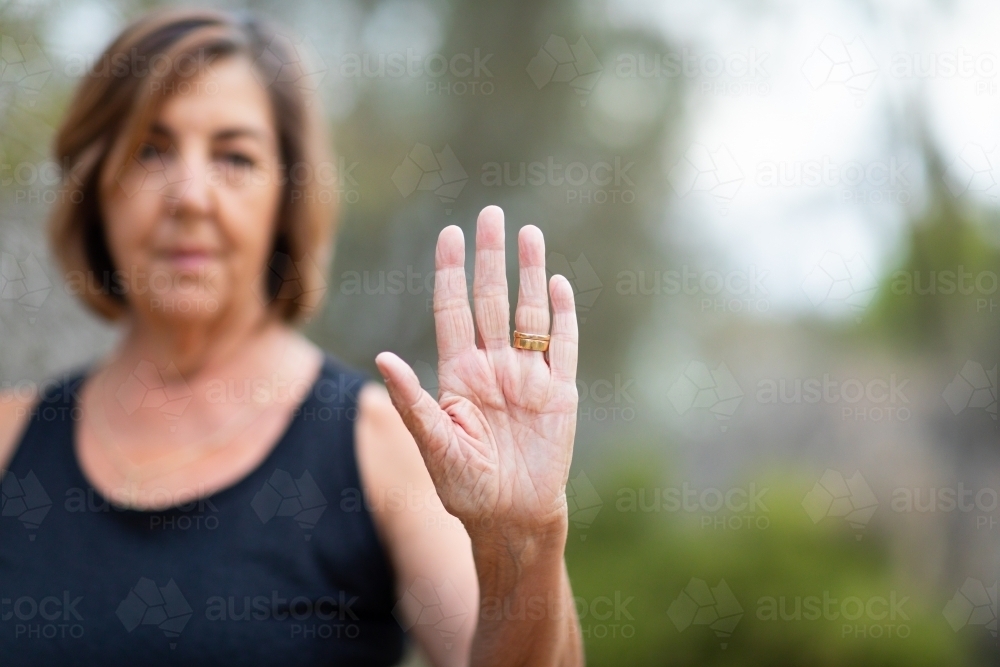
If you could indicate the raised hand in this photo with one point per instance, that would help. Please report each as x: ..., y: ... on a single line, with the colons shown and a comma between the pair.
x: 498, y: 439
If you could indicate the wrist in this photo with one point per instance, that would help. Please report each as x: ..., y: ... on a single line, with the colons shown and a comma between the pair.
x: 512, y: 557
x: 545, y: 536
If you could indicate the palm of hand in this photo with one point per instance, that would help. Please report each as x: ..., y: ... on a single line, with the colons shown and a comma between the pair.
x: 499, y: 439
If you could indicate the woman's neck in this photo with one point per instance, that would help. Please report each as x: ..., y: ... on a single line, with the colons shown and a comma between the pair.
x: 196, y: 347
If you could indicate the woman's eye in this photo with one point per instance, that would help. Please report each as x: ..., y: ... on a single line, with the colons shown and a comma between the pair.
x: 239, y: 160
x: 147, y: 152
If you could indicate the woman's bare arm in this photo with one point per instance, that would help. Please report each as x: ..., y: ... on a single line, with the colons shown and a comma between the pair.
x: 429, y: 548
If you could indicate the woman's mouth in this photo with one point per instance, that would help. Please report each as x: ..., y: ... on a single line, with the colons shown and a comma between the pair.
x: 189, y: 260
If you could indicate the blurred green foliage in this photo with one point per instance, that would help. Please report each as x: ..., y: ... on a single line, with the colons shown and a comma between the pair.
x: 942, y: 296
x: 652, y: 556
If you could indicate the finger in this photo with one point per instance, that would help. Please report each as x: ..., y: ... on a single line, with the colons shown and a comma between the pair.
x: 452, y: 317
x: 565, y: 336
x: 532, y: 314
x: 489, y: 290
x: 420, y: 412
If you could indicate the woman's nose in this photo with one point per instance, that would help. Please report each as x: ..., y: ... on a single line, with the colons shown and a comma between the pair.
x: 189, y: 192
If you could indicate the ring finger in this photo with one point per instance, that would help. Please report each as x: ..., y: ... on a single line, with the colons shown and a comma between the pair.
x: 532, y: 314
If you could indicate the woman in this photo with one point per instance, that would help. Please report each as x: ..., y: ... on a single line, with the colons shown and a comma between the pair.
x: 218, y: 490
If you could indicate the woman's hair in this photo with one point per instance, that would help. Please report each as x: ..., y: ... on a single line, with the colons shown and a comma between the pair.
x: 120, y: 97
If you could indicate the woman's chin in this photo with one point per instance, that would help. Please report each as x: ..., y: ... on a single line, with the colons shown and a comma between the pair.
x: 184, y: 308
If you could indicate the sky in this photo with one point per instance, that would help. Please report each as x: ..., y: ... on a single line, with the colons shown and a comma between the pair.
x: 835, y: 95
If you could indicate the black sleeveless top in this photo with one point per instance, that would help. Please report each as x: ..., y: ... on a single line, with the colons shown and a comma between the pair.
x: 282, y: 568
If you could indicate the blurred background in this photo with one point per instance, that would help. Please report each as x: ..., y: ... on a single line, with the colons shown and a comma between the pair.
x: 781, y: 223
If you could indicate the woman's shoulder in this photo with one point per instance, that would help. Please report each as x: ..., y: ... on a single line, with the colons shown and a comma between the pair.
x: 18, y: 405
x: 15, y: 409
x: 388, y: 456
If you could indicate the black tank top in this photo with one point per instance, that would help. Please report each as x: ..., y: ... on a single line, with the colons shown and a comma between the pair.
x: 282, y: 568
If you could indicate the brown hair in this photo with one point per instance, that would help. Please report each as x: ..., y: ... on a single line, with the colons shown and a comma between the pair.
x: 120, y: 97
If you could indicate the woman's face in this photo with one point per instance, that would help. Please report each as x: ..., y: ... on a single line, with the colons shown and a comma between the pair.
x: 190, y: 217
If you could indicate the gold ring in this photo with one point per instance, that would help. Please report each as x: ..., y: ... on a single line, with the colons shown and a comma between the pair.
x: 532, y: 342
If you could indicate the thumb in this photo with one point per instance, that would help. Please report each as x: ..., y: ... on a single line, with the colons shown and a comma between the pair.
x: 420, y: 412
